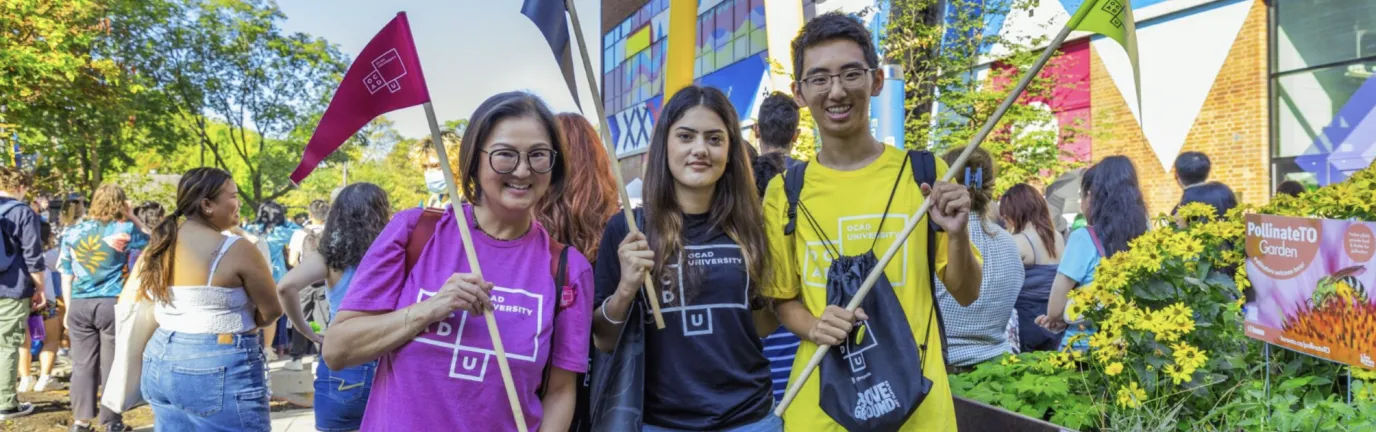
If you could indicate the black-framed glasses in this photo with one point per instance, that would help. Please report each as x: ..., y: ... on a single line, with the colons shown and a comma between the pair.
x: 850, y: 78
x: 505, y: 161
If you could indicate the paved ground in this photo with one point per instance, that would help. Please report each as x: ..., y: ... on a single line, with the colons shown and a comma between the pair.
x: 292, y: 393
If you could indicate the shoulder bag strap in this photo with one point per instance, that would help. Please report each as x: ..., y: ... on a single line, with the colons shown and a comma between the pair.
x: 420, y: 235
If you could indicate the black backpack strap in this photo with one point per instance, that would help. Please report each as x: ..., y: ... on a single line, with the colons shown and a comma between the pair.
x: 924, y: 172
x: 793, y: 189
x: 561, y: 278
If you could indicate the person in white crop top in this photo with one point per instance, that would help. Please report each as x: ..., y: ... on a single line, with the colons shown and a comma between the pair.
x: 204, y: 368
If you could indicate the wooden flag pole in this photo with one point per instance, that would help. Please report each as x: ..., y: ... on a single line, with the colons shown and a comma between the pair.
x: 462, y: 220
x: 975, y: 141
x: 611, y: 152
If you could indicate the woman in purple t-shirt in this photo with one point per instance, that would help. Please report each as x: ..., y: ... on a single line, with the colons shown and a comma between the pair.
x: 436, y: 364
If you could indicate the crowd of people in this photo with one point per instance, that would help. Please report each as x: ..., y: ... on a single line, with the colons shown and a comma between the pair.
x: 735, y: 239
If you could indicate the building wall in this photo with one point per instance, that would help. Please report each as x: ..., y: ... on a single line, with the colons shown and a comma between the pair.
x: 731, y: 48
x: 1231, y: 126
x: 1204, y: 86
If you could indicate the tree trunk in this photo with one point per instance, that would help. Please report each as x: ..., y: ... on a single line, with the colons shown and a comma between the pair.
x: 97, y: 169
x: 913, y: 65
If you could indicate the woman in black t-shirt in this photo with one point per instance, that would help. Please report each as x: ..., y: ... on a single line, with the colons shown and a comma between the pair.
x: 705, y: 250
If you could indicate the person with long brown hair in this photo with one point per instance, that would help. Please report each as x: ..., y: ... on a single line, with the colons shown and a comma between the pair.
x: 417, y: 308
x: 1040, y: 246
x: 704, y: 244
x: 358, y: 215
x: 576, y: 217
x: 94, y: 260
x: 204, y: 367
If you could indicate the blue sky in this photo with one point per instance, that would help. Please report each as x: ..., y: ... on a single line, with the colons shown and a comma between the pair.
x: 470, y: 49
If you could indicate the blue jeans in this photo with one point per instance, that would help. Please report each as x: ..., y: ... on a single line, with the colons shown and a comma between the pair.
x: 770, y: 423
x: 341, y: 396
x: 206, y: 382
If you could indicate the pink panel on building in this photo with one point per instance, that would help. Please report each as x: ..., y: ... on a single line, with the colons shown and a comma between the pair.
x: 1070, y: 100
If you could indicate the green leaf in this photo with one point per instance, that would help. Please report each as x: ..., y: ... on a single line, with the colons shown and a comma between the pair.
x: 1204, y: 268
x: 1294, y: 383
x: 1221, y: 279
x: 1055, y: 387
x: 1154, y: 290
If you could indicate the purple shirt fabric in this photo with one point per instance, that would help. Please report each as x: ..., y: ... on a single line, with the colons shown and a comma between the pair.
x: 447, y: 378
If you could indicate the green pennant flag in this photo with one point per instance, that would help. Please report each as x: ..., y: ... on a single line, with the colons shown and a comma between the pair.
x: 1113, y: 19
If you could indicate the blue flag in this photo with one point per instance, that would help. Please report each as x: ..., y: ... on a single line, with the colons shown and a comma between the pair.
x: 548, y: 16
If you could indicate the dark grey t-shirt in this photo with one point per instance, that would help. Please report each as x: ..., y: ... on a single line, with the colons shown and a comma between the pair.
x: 706, y: 370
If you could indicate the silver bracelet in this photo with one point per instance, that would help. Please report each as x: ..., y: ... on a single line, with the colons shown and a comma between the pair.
x: 604, y: 313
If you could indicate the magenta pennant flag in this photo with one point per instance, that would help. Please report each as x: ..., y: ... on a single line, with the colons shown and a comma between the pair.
x: 385, y: 77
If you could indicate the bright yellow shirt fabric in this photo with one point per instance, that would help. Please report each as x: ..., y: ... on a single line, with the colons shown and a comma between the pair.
x: 848, y: 206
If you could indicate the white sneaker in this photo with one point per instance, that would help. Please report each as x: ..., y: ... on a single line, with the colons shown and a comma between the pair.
x: 43, y: 383
x: 293, y: 365
x: 25, y: 384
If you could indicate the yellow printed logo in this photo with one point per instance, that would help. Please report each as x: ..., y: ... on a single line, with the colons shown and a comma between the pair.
x: 816, y: 261
x: 861, y: 233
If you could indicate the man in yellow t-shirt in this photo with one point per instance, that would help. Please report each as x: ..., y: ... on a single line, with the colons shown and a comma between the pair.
x: 845, y: 191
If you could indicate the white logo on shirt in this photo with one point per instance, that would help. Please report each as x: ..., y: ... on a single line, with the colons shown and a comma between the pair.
x: 470, y: 360
x: 697, y: 319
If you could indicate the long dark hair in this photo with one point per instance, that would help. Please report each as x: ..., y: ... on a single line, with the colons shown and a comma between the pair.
x: 159, y: 258
x: 354, y: 221
x: 577, y: 216
x: 735, y: 209
x: 1117, y: 211
x: 765, y: 167
x: 1022, y: 207
x: 500, y: 107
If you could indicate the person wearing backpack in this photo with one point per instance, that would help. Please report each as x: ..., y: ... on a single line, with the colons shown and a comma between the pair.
x: 777, y: 129
x: 827, y: 221
x: 416, y: 307
x: 94, y: 261
x: 704, y: 245
x: 21, y: 276
x: 311, y: 299
x: 360, y: 212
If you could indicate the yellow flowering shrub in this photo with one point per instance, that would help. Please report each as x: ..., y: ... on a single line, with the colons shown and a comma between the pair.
x: 1168, y: 316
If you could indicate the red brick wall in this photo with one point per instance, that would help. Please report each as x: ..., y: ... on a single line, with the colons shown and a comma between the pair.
x: 1232, y: 126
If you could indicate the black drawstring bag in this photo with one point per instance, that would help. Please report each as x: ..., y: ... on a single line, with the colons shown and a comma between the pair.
x: 870, y: 382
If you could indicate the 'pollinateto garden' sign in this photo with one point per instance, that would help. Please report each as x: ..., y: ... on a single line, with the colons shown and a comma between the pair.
x: 1313, y: 280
